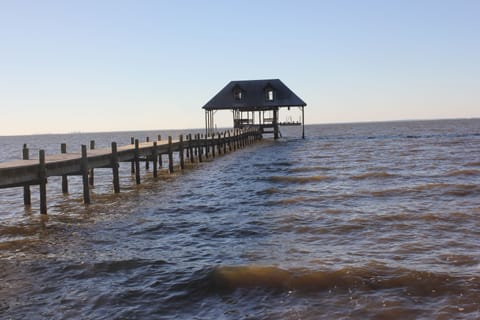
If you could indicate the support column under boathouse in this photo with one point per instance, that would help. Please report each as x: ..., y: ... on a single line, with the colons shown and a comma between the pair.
x: 254, y: 104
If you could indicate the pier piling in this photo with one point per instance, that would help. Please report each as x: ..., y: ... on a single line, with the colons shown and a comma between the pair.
x: 42, y: 177
x: 91, y: 178
x: 116, y: 178
x: 137, y: 162
x: 132, y: 141
x: 180, y: 153
x: 84, y: 169
x: 147, y: 164
x: 63, y: 150
x: 170, y: 155
x: 27, y: 197
x: 26, y: 172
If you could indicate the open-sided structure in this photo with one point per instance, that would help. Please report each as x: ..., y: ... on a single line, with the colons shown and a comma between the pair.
x: 254, y: 103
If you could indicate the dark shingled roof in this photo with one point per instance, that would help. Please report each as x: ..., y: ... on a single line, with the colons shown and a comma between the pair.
x: 254, y: 96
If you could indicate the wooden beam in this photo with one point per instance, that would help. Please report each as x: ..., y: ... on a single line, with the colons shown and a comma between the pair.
x: 212, y: 144
x: 147, y: 164
x: 132, y: 141
x: 137, y: 162
x: 42, y: 176
x: 116, y: 178
x: 63, y: 149
x: 303, y: 123
x: 91, y: 178
x: 199, y: 150
x: 180, y: 153
x: 27, y: 196
x: 190, y: 147
x: 84, y: 169
x: 170, y: 154
x: 155, y: 156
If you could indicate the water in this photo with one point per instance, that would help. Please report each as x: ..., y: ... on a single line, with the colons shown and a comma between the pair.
x: 357, y: 221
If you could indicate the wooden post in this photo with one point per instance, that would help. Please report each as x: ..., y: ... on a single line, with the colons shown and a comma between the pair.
x: 63, y: 149
x: 224, y: 142
x: 155, y: 156
x: 219, y: 148
x: 199, y: 150
x: 170, y: 154
x: 213, y: 144
x: 160, y: 162
x: 187, y: 153
x: 147, y: 164
x: 239, y: 139
x: 206, y: 122
x: 132, y: 141
x: 91, y: 178
x: 207, y: 146
x: 182, y: 163
x: 84, y: 169
x: 116, y: 179
x: 190, y: 147
x: 275, y: 124
x: 202, y: 146
x: 27, y: 196
x: 220, y: 143
x: 229, y: 142
x: 234, y: 139
x: 42, y: 177
x: 137, y: 162
x: 195, y: 147
x: 303, y: 124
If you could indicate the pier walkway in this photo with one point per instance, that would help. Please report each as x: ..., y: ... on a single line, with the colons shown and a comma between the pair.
x: 26, y: 172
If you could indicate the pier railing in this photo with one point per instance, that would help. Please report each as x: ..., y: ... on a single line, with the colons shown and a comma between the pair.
x: 192, y: 148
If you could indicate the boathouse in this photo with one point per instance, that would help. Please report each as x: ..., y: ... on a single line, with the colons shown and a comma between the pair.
x: 254, y: 104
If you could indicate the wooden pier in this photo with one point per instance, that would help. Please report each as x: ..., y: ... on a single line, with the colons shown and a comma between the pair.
x: 26, y: 172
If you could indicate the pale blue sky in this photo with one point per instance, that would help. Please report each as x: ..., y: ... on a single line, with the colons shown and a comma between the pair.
x: 68, y: 66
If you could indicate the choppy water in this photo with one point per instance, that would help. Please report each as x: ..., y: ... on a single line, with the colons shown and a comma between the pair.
x: 377, y: 220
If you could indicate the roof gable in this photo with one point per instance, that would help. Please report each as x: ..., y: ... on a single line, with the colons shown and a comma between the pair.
x: 254, y: 96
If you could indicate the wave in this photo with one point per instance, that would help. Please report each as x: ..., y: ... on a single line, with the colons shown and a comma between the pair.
x: 450, y: 189
x: 292, y: 179
x: 269, y: 191
x: 98, y: 269
x: 310, y: 169
x: 289, y: 201
x: 470, y: 172
x: 461, y: 190
x: 386, y: 192
x: 473, y: 164
x: 276, y: 164
x: 368, y: 278
x: 373, y: 175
